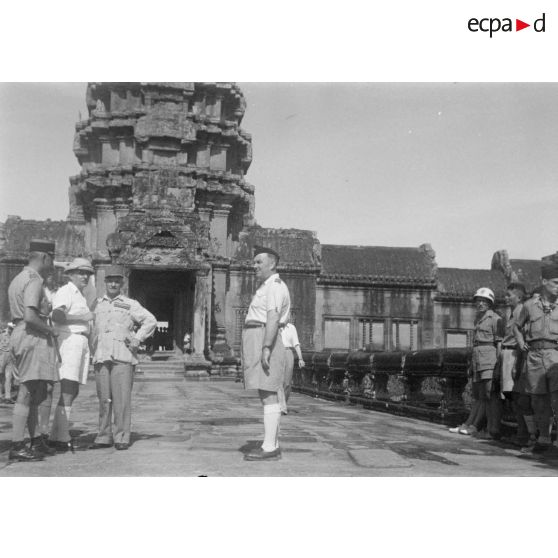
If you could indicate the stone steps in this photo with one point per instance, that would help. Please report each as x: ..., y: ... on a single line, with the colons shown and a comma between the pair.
x: 160, y: 368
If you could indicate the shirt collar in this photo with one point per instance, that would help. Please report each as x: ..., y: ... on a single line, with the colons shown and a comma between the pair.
x: 73, y: 287
x: 33, y: 272
x: 106, y: 297
x: 271, y: 278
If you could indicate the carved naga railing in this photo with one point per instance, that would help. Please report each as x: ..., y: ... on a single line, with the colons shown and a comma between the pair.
x: 428, y: 384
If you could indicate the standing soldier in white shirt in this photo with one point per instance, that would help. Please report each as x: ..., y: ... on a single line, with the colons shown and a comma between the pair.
x: 263, y: 352
x: 72, y: 319
x: 116, y: 346
x: 289, y: 336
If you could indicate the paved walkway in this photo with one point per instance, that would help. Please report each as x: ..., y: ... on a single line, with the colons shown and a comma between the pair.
x: 188, y: 428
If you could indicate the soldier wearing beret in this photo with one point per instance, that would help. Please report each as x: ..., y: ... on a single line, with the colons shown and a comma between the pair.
x: 115, y: 347
x: 536, y: 332
x: 263, y: 353
x: 72, y: 320
x: 33, y: 347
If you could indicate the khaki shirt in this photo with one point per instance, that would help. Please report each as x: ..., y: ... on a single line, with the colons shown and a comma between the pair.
x: 114, y: 328
x: 489, y: 328
x: 71, y: 298
x: 540, y: 320
x: 509, y: 341
x: 26, y: 291
x: 272, y: 294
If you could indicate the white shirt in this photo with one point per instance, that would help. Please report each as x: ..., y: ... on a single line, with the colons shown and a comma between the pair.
x: 272, y: 294
x: 70, y: 297
x: 289, y: 336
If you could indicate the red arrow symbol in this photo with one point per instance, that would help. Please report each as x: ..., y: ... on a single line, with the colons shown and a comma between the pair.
x: 519, y: 25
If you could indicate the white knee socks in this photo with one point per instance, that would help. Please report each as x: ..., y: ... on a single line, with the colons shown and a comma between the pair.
x: 272, y: 417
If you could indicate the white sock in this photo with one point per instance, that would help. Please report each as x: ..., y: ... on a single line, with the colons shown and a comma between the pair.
x: 272, y: 416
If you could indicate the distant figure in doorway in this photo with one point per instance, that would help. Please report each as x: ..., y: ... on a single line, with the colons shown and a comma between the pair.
x: 8, y: 372
x: 187, y: 344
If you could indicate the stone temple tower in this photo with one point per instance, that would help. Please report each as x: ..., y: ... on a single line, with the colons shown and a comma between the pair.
x: 162, y: 191
x: 151, y: 152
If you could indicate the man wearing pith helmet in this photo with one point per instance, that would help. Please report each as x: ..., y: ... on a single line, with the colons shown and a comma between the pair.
x: 32, y: 345
x: 539, y: 320
x: 72, y: 320
x: 263, y: 353
x: 116, y: 344
x: 487, y: 342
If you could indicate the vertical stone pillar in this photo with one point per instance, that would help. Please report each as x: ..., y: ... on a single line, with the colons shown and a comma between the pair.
x: 220, y: 349
x: 218, y: 229
x: 106, y: 222
x: 195, y: 364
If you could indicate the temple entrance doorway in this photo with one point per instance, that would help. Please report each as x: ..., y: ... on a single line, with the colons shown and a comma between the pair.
x: 169, y: 296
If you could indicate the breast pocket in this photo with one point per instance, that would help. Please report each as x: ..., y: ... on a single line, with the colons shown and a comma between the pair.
x: 536, y: 327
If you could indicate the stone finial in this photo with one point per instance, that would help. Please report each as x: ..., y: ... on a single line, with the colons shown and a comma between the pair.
x: 431, y: 255
x: 501, y: 262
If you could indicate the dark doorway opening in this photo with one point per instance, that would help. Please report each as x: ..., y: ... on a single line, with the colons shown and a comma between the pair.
x: 169, y: 296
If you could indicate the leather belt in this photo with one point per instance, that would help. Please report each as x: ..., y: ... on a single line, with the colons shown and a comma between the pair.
x: 251, y: 325
x: 543, y: 344
x: 509, y: 347
x: 483, y: 344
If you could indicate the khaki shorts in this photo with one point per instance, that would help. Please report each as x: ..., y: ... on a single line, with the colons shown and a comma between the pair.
x: 542, y: 371
x: 255, y: 377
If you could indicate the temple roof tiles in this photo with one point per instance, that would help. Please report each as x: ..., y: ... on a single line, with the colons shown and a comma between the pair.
x: 377, y: 264
x: 455, y: 283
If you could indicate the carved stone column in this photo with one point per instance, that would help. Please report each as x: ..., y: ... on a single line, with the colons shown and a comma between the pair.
x: 218, y: 230
x: 195, y: 364
x: 121, y: 208
x: 221, y: 352
x: 106, y: 222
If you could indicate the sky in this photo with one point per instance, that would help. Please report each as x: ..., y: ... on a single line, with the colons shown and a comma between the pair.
x: 469, y: 168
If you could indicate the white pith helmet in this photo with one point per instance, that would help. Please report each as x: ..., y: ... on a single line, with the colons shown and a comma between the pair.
x: 485, y: 292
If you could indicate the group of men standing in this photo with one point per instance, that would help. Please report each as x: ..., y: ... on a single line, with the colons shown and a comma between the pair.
x: 516, y: 359
x: 51, y: 342
x: 55, y: 333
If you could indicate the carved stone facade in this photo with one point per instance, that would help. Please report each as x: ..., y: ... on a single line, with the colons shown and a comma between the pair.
x: 162, y: 190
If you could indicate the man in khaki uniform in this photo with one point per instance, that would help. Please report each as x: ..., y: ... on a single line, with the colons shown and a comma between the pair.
x: 115, y: 347
x: 33, y: 347
x: 539, y: 319
x: 487, y: 340
x: 263, y: 352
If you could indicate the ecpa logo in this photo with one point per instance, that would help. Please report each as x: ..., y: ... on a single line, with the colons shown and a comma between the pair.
x: 493, y: 25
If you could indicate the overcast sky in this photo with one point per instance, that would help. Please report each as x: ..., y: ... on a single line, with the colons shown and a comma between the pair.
x: 469, y: 168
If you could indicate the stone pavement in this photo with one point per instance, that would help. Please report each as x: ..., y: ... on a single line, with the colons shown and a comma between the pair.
x: 189, y: 428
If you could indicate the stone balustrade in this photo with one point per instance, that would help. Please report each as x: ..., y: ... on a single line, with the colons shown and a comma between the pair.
x: 428, y: 384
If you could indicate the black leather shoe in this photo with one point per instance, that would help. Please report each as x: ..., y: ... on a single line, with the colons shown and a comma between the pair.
x: 39, y: 445
x: 260, y: 455
x: 61, y: 447
x: 23, y: 453
x: 122, y: 446
x: 95, y: 445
